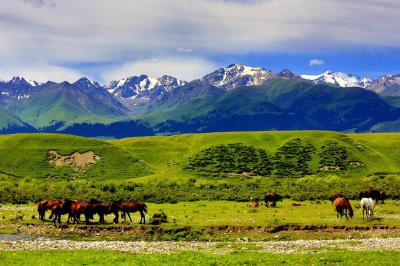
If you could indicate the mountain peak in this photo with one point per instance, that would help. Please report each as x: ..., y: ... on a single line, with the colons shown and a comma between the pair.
x: 287, y: 74
x: 236, y: 75
x: 339, y: 79
x: 141, y: 86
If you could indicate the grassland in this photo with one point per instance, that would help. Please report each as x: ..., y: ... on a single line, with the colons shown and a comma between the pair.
x: 154, y: 168
x: 217, y: 220
x: 196, y: 258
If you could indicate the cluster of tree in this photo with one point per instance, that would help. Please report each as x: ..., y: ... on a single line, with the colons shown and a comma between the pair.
x: 232, y: 158
x: 333, y: 156
x: 290, y: 160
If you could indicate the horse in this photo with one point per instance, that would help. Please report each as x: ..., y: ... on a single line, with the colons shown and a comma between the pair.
x: 273, y: 198
x: 367, y: 206
x: 343, y: 206
x: 254, y: 202
x: 100, y: 209
x: 382, y: 194
x: 77, y: 208
x: 45, y: 205
x: 59, y: 209
x: 337, y: 195
x: 127, y: 207
x: 370, y: 193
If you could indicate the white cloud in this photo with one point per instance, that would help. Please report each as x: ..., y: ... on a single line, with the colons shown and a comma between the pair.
x: 316, y: 62
x: 122, y: 31
x: 41, y: 73
x: 185, y: 68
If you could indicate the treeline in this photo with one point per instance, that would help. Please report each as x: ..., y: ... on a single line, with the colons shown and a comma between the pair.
x: 230, y: 188
x: 290, y: 160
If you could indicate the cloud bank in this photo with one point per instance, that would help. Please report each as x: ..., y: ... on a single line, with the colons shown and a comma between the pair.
x: 105, y: 33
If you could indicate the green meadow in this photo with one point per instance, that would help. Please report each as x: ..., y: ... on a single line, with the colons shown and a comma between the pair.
x: 196, y: 258
x: 300, y: 165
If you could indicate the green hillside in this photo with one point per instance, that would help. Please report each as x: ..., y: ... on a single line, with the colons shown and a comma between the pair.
x: 27, y: 156
x: 234, y: 166
x: 65, y: 103
x: 7, y: 119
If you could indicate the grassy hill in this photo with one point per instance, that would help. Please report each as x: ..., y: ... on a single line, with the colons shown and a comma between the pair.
x: 67, y: 104
x: 156, y: 168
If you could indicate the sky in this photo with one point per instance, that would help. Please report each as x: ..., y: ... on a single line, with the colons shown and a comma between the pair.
x: 108, y: 40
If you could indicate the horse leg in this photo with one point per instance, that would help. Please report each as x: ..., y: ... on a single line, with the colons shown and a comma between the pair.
x: 129, y: 216
x: 141, y: 216
x: 345, y: 211
x: 115, y: 220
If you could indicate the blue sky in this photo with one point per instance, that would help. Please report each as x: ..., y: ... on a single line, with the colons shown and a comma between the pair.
x: 106, y: 40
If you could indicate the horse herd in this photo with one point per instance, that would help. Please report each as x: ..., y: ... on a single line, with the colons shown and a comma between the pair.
x: 368, y: 198
x: 75, y: 209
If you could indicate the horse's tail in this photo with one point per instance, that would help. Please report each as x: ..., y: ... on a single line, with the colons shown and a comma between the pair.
x: 350, y: 208
x: 145, y: 207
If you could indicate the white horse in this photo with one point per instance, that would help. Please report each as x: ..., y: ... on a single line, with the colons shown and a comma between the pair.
x: 367, y: 205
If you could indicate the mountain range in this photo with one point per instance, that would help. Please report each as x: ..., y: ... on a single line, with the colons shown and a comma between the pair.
x: 234, y: 98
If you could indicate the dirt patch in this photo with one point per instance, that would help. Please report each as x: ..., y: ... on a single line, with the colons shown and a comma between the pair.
x: 77, y: 161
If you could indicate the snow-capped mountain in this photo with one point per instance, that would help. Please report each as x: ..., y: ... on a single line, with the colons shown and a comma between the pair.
x: 141, y: 86
x: 388, y: 85
x: 237, y: 75
x: 339, y: 79
x: 87, y: 85
x: 18, y: 88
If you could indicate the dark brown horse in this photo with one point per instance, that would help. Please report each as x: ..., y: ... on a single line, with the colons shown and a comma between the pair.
x: 45, y: 205
x: 337, y: 195
x: 370, y: 193
x: 273, y: 198
x: 59, y: 209
x: 100, y: 209
x: 382, y: 194
x: 126, y: 207
x: 343, y: 206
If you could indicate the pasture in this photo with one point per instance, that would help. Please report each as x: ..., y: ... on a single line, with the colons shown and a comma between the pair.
x: 217, y: 220
x: 52, y: 257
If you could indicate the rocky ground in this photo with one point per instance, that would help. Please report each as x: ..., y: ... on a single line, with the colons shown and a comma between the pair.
x: 299, y: 246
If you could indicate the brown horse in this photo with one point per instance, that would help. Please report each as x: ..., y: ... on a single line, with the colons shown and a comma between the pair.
x: 273, y: 198
x: 382, y: 194
x: 100, y: 209
x: 76, y: 209
x: 59, y: 209
x: 127, y: 207
x: 337, y: 195
x: 45, y: 205
x: 343, y: 206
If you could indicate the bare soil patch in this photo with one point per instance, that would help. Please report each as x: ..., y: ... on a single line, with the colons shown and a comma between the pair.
x: 77, y: 161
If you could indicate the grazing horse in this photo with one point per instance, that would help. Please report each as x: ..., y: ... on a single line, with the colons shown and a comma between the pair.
x: 127, y: 207
x: 45, y: 205
x: 100, y: 209
x: 59, y: 209
x: 273, y: 198
x: 78, y: 208
x: 370, y: 193
x: 337, y: 195
x: 343, y: 206
x: 382, y: 194
x: 367, y: 205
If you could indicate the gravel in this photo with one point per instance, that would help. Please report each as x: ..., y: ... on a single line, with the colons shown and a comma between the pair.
x: 299, y: 246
